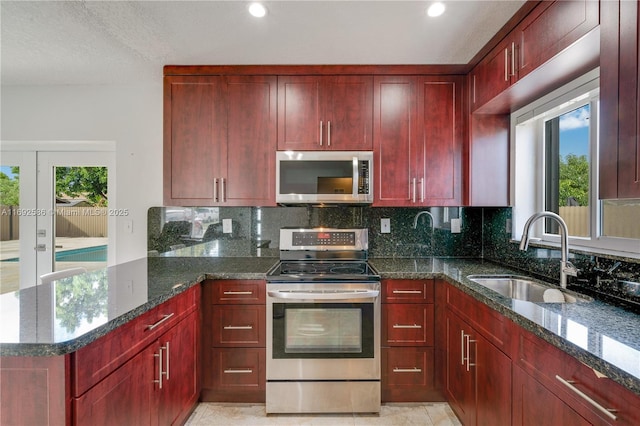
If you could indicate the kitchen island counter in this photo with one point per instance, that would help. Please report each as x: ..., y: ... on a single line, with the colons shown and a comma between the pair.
x: 66, y: 315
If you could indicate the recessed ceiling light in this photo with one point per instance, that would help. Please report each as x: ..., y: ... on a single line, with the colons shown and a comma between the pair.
x: 436, y: 9
x: 257, y: 10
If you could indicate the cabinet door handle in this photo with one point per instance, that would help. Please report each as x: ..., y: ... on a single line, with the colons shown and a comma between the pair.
x: 164, y: 318
x: 407, y: 370
x: 238, y: 370
x: 422, y: 190
x: 506, y: 64
x: 320, y: 132
x: 469, y: 363
x: 231, y: 292
x: 238, y: 327
x: 223, y: 197
x: 160, y: 373
x: 215, y: 190
x: 462, y: 339
x: 606, y: 411
x: 407, y: 326
x: 166, y: 360
x: 413, y: 190
x: 329, y: 133
x: 407, y: 292
x: 513, y: 58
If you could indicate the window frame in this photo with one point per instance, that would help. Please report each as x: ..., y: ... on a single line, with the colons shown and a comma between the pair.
x: 528, y: 186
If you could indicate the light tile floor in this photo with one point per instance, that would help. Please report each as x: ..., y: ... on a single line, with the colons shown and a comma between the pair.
x: 423, y: 414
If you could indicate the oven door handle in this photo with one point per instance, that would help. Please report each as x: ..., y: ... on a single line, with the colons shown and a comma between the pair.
x: 311, y: 295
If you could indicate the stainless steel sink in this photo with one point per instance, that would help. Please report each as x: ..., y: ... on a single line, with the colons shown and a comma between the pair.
x: 523, y: 288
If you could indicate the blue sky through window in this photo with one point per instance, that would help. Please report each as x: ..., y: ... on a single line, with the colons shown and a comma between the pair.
x: 574, y: 132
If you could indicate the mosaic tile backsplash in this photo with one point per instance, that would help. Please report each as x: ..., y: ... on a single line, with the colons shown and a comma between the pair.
x: 483, y: 234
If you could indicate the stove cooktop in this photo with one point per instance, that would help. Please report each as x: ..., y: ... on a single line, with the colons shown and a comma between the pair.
x: 314, y: 271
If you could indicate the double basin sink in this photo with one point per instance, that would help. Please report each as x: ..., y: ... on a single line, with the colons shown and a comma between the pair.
x: 524, y: 288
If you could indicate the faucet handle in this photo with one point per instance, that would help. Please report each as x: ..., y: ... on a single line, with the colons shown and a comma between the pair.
x: 569, y: 269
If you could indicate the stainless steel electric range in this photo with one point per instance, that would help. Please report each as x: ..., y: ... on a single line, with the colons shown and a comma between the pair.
x: 323, y: 324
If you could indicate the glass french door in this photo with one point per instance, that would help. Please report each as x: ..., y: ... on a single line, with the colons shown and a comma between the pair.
x: 54, y: 220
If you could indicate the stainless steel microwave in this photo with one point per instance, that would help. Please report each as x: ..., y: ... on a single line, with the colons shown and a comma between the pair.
x: 324, y: 177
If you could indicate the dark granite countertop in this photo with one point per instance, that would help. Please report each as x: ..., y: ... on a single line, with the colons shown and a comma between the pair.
x: 68, y: 314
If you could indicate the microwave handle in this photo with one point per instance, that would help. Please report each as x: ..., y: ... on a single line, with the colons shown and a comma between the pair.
x: 356, y: 176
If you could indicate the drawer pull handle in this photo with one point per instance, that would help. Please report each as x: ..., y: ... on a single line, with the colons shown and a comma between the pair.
x: 607, y: 411
x: 407, y: 291
x: 238, y: 327
x: 164, y: 318
x: 407, y: 326
x: 238, y: 292
x: 238, y: 370
x: 407, y: 370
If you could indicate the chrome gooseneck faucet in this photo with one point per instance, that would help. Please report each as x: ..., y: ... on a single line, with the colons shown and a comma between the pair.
x: 566, y: 267
x: 415, y: 220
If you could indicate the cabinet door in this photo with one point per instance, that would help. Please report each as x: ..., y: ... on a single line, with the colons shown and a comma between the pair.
x: 393, y: 135
x: 348, y: 113
x: 194, y: 134
x: 299, y: 113
x: 493, y: 383
x: 492, y: 75
x: 251, y: 141
x: 534, y: 404
x: 552, y: 27
x: 179, y: 391
x: 122, y: 398
x: 459, y: 381
x: 441, y: 136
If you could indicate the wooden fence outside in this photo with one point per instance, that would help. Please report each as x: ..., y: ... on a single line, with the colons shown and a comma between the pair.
x: 71, y: 222
x: 619, y: 221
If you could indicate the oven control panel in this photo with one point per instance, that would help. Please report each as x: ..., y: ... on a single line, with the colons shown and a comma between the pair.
x: 326, y: 238
x: 323, y: 239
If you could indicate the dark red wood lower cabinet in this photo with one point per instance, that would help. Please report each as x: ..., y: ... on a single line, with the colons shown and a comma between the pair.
x: 407, y: 375
x: 235, y: 375
x: 534, y: 404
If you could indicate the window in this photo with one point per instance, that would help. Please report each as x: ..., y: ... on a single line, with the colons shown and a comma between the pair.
x: 555, y: 168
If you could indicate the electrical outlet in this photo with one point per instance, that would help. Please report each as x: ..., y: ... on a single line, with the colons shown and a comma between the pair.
x: 227, y: 226
x: 508, y: 226
x: 385, y: 226
x: 455, y: 226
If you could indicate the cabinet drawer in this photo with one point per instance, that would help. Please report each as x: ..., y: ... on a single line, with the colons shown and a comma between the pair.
x: 408, y: 374
x: 567, y: 377
x: 234, y: 375
x: 237, y: 291
x: 407, y: 291
x: 240, y: 326
x: 95, y: 361
x: 407, y: 325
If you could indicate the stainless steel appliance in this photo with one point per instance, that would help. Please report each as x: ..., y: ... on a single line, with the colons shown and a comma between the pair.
x: 323, y: 324
x: 324, y: 177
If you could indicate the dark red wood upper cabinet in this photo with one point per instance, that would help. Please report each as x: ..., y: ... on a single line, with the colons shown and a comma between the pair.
x: 418, y: 126
x: 551, y: 28
x: 251, y: 141
x: 220, y: 140
x: 395, y: 147
x: 325, y: 112
x: 620, y: 100
x: 194, y: 128
x: 441, y: 133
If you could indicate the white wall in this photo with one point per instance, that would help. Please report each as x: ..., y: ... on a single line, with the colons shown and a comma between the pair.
x: 129, y: 115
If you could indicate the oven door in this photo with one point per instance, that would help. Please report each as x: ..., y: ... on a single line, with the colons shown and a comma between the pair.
x: 327, y: 335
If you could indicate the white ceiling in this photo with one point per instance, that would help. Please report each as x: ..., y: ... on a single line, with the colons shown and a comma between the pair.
x: 128, y: 42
